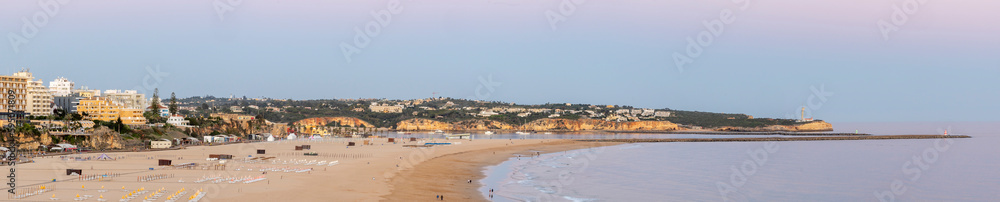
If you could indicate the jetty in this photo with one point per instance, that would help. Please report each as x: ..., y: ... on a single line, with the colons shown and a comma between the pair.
x: 769, y: 139
x: 783, y: 133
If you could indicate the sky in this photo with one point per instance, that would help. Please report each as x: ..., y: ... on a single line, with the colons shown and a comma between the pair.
x: 845, y: 60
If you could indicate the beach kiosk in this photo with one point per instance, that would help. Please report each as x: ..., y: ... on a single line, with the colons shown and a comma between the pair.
x: 350, y: 143
x: 260, y: 151
x: 164, y: 162
x: 71, y: 171
x: 393, y: 140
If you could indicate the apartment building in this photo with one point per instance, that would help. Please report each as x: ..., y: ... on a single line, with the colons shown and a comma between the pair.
x: 128, y: 98
x: 104, y: 109
x: 61, y: 87
x: 39, y: 99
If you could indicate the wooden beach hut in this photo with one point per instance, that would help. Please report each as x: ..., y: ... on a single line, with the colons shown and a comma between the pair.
x: 165, y: 162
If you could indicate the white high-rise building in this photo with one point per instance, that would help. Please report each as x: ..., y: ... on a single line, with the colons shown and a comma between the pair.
x: 61, y: 87
x: 39, y: 99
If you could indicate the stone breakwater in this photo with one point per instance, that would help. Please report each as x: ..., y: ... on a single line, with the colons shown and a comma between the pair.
x: 770, y: 139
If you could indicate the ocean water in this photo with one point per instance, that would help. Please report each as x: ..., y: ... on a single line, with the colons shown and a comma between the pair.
x: 868, y: 170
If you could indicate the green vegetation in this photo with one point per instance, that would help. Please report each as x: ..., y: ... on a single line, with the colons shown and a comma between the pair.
x: 446, y: 110
x: 173, y: 104
x: 707, y: 119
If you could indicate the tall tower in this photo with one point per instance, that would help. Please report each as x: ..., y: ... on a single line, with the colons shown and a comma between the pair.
x: 803, y: 117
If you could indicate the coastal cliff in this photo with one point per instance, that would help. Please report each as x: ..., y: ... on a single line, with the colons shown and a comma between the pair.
x: 596, y: 124
x: 423, y: 124
x: 805, y: 127
x: 537, y: 125
x: 549, y: 124
x: 344, y: 121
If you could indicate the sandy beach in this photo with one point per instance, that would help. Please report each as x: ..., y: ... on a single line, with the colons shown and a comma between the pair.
x: 448, y: 175
x: 381, y: 171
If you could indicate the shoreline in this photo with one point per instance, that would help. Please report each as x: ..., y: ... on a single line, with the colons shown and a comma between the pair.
x: 448, y: 174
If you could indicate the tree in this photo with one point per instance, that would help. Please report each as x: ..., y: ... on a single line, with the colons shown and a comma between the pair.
x: 155, y: 104
x: 204, y: 107
x: 173, y: 103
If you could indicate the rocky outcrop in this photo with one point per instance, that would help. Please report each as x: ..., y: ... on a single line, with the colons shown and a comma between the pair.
x: 595, y: 124
x: 344, y: 121
x: 423, y: 124
x: 29, y: 142
x: 537, y: 125
x: 477, y: 124
x: 814, y: 126
x: 805, y: 127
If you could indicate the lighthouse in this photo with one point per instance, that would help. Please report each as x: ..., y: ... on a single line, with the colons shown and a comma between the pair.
x: 803, y: 117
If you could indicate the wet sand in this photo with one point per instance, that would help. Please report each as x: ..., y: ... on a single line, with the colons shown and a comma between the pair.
x: 448, y: 175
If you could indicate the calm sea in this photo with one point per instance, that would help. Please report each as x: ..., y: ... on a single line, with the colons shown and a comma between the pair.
x: 871, y: 170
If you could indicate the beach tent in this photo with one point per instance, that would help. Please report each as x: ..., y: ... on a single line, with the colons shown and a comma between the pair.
x: 104, y: 157
x: 191, y: 140
x: 291, y: 136
x: 208, y: 138
x: 4, y: 149
x: 67, y: 146
x: 270, y: 138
